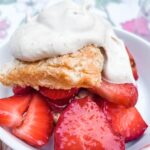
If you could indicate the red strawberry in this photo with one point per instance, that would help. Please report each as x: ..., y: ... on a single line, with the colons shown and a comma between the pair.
x: 55, y: 107
x: 12, y: 109
x: 17, y: 90
x: 37, y: 126
x: 134, y: 71
x: 59, y: 97
x: 83, y: 126
x: 133, y: 65
x: 123, y: 94
x: 125, y: 121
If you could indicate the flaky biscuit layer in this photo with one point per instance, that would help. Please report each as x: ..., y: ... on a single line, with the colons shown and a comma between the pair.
x: 80, y: 69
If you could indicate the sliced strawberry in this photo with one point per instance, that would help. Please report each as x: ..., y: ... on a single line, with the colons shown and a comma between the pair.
x: 133, y: 65
x: 125, y: 121
x: 60, y: 97
x: 123, y: 94
x: 55, y: 107
x: 134, y: 71
x: 17, y: 90
x: 37, y: 126
x: 12, y: 109
x: 83, y: 126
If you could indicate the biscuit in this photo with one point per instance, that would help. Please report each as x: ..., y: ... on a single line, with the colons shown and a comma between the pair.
x: 80, y: 69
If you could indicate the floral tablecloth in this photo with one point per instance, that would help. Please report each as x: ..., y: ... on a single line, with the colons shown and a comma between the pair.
x: 131, y: 15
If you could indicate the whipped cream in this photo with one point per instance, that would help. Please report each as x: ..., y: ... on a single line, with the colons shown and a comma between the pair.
x: 65, y: 27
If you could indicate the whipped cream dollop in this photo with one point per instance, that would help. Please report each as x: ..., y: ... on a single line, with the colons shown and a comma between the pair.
x: 65, y: 27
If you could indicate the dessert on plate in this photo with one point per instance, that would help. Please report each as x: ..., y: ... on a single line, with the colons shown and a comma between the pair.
x: 71, y: 76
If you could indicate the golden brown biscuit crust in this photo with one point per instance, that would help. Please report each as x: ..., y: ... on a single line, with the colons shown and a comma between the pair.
x: 79, y: 69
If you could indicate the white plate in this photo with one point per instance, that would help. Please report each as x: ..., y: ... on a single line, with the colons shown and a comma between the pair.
x: 141, y: 51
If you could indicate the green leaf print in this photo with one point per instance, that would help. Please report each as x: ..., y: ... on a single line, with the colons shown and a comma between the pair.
x: 7, y: 1
x: 103, y: 3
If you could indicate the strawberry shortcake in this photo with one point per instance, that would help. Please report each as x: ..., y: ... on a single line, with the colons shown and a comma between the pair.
x: 72, y: 76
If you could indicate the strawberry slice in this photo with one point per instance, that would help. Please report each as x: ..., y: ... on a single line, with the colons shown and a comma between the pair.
x: 125, y: 121
x: 18, y: 90
x: 55, y: 107
x: 37, y: 126
x: 60, y: 96
x: 12, y: 109
x: 133, y: 65
x: 83, y: 126
x: 123, y: 94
